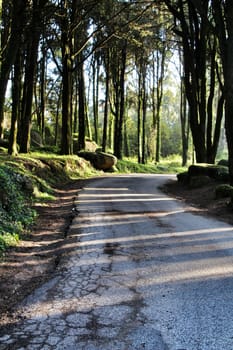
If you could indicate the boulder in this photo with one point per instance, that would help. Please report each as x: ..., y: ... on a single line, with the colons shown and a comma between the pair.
x: 223, y: 191
x: 99, y: 160
x: 183, y: 177
x: 90, y: 146
x: 217, y: 172
x: 199, y: 181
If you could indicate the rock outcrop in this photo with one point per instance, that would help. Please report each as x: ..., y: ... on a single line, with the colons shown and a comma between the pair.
x: 99, y: 160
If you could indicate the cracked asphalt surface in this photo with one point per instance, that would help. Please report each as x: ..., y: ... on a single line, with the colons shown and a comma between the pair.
x: 142, y: 271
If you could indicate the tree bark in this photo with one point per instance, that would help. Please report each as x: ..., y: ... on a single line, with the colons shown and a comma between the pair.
x: 67, y: 66
x: 119, y: 143
x: 10, y: 48
x: 30, y: 69
x: 159, y: 96
x: 82, y: 110
x: 223, y: 16
x: 229, y: 86
x: 144, y: 107
x: 96, y: 69
x: 16, y: 93
x: 106, y: 101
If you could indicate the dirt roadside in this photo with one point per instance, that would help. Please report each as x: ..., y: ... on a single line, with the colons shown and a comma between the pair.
x: 203, y: 199
x: 34, y: 260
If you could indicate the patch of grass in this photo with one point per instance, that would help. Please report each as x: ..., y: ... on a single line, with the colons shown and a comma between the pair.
x: 8, y: 240
x: 169, y: 165
x: 42, y: 196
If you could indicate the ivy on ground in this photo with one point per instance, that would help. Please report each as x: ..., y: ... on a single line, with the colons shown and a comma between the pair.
x: 15, y: 212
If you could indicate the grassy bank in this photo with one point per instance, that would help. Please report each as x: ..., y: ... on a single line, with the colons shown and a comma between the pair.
x: 27, y: 179
x: 32, y: 178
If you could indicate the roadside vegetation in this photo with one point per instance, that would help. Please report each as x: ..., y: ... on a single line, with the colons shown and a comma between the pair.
x: 31, y: 178
x: 28, y: 179
x: 119, y: 77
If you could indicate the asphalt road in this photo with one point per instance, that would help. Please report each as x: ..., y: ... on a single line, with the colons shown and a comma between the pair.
x: 142, y: 271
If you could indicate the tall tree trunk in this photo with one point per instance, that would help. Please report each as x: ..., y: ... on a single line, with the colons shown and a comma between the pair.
x: 139, y: 114
x: 228, y: 86
x: 82, y: 110
x: 184, y: 113
x: 106, y: 101
x: 223, y: 17
x: 184, y: 119
x: 30, y: 69
x: 118, y: 150
x: 153, y: 96
x: 75, y: 121
x: 42, y: 91
x: 67, y: 67
x: 59, y: 102
x: 96, y: 69
x: 66, y: 102
x: 16, y: 93
x: 9, y: 51
x: 213, y: 141
x: 160, y: 54
x: 194, y: 34
x: 144, y: 106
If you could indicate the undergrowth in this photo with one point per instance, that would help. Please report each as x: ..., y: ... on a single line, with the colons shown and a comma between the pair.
x: 16, y: 214
x: 170, y: 165
x: 27, y: 179
x: 31, y: 178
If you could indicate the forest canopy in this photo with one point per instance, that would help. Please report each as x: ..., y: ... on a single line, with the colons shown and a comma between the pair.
x: 73, y: 70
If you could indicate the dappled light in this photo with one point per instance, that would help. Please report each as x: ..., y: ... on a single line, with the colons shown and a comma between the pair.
x: 182, y: 255
x: 136, y: 256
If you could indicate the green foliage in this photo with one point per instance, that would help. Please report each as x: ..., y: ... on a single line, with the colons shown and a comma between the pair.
x: 8, y: 240
x: 223, y: 191
x: 167, y: 165
x: 15, y: 212
x: 27, y: 179
x: 171, y: 137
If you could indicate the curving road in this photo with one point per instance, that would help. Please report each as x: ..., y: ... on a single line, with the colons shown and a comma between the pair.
x: 142, y: 271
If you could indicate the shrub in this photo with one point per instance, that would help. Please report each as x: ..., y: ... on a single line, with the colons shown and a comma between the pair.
x: 15, y: 214
x: 223, y: 191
